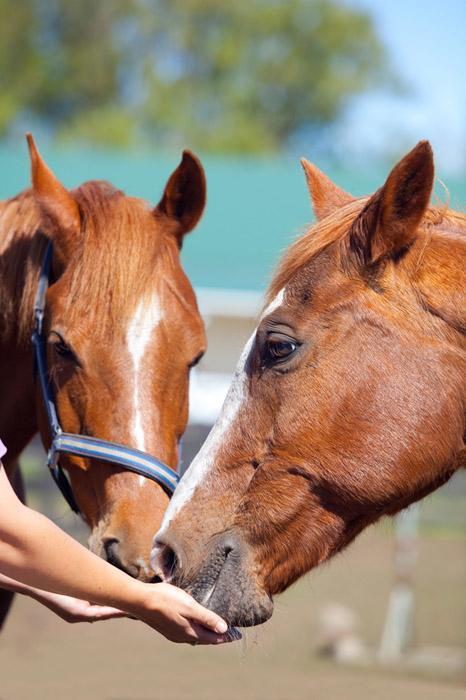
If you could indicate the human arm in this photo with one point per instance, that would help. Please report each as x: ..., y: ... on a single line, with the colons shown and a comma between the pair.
x: 35, y: 552
x: 68, y: 608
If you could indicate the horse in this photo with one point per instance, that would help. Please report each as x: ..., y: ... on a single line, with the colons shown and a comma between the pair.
x: 347, y: 404
x: 122, y: 331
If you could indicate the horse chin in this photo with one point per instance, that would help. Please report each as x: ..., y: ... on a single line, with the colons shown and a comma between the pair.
x: 237, y: 604
x: 227, y: 586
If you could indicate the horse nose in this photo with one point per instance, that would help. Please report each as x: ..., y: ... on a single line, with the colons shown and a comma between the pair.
x: 114, y: 554
x: 221, y: 576
x: 164, y: 560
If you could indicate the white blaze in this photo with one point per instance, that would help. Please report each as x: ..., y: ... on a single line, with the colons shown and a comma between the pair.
x: 205, y: 458
x: 138, y: 336
x: 274, y: 304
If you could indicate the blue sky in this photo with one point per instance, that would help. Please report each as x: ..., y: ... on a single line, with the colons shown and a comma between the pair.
x: 426, y: 43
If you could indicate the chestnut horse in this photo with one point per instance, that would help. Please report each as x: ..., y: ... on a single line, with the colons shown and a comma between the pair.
x: 348, y: 402
x: 123, y: 330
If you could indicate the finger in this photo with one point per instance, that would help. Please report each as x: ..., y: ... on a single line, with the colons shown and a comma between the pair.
x: 207, y: 618
x: 188, y: 632
x: 201, y: 635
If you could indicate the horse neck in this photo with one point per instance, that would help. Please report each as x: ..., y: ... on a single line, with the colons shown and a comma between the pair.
x: 22, y: 248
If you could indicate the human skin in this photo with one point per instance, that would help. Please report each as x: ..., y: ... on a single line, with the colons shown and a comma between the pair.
x: 68, y: 608
x: 37, y: 557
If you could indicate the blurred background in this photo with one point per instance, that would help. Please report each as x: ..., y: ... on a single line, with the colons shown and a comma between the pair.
x: 115, y: 90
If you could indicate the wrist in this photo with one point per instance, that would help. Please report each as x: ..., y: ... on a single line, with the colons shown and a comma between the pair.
x: 135, y: 597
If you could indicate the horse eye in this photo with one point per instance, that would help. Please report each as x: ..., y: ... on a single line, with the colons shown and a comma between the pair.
x: 282, y: 348
x: 63, y: 350
x: 279, y: 349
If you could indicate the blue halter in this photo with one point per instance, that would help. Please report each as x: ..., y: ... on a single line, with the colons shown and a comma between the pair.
x: 83, y: 445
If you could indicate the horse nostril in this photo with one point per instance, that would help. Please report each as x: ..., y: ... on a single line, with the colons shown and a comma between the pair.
x: 111, y: 552
x: 169, y: 560
x: 115, y: 556
x: 166, y: 562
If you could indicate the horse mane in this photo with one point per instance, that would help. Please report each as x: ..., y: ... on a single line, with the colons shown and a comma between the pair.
x: 118, y: 252
x: 335, y: 227
x: 22, y: 247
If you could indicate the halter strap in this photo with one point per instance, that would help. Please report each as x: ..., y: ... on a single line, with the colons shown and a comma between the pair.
x: 83, y: 445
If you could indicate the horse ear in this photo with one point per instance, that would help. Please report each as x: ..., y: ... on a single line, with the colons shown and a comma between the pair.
x: 56, y: 203
x: 184, y: 197
x: 326, y: 197
x: 387, y: 225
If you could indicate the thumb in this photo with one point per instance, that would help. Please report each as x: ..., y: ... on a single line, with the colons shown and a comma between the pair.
x: 207, y: 618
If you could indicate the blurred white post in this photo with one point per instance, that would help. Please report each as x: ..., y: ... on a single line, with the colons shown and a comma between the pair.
x: 398, y: 627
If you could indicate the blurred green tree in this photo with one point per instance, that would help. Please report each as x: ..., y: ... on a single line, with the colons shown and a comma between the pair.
x: 244, y: 76
x: 19, y: 60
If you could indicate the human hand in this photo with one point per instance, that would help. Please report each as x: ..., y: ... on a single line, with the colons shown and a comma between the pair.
x: 75, y: 610
x: 176, y: 615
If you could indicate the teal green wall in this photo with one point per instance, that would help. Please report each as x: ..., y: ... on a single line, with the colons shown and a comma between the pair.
x: 255, y: 207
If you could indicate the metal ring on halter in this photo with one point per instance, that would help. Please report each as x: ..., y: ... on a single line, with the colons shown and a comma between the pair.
x: 83, y: 445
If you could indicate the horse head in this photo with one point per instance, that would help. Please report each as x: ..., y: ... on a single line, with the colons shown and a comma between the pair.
x: 348, y: 402
x: 123, y: 330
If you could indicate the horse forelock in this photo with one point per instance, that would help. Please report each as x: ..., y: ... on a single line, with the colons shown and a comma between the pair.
x: 120, y: 257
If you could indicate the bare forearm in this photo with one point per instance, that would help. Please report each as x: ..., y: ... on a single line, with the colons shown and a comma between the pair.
x: 37, y: 553
x: 15, y: 586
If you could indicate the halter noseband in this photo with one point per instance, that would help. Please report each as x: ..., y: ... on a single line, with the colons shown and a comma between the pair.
x: 83, y: 445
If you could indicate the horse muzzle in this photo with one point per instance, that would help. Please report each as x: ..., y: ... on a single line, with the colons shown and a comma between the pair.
x: 224, y: 582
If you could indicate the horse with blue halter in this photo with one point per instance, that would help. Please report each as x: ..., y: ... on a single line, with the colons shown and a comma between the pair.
x: 99, y: 328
